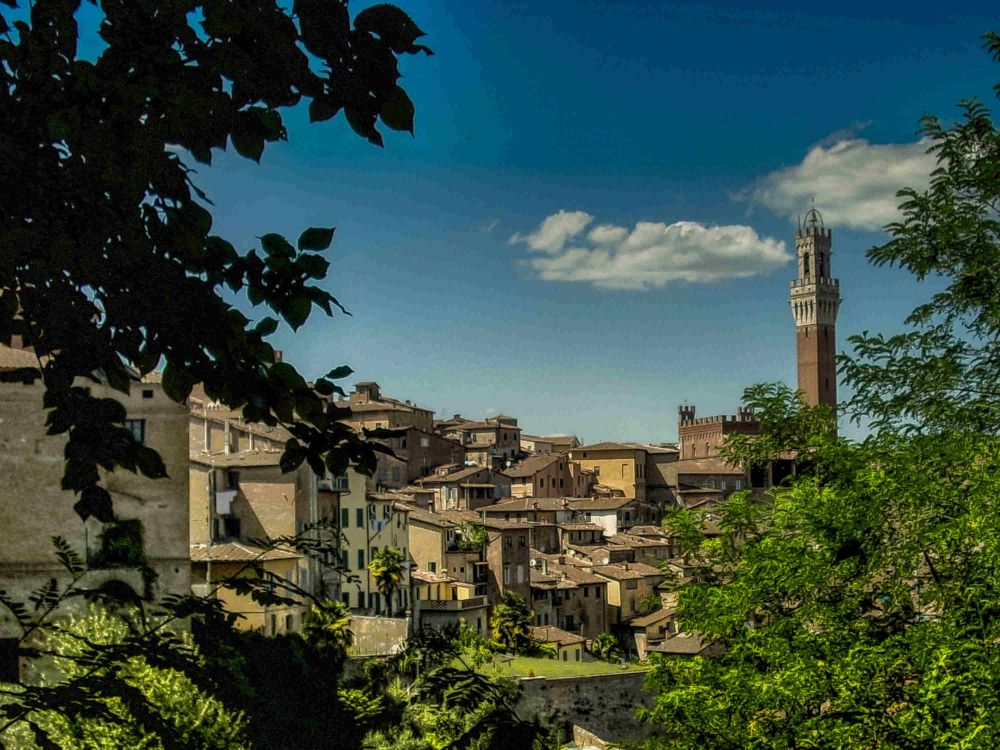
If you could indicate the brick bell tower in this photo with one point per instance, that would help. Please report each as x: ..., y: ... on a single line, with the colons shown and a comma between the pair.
x: 815, y: 300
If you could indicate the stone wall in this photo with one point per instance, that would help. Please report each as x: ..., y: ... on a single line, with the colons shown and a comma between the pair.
x: 377, y: 636
x: 603, y: 705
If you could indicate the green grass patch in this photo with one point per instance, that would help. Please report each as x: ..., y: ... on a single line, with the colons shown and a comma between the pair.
x: 525, y: 666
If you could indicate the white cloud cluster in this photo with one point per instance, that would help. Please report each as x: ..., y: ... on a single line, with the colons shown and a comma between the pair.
x: 651, y: 254
x: 853, y: 181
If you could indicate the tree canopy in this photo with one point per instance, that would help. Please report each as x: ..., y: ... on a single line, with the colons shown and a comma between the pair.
x: 108, y: 264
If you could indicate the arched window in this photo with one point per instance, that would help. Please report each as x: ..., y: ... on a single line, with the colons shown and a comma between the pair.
x: 805, y: 264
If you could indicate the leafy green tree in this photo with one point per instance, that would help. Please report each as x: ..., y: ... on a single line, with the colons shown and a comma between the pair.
x: 652, y: 603
x: 154, y: 705
x: 605, y: 647
x: 109, y: 261
x: 472, y: 536
x: 510, y: 624
x: 387, y: 569
x: 941, y: 373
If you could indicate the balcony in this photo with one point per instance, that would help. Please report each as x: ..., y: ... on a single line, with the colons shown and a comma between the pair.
x: 453, y: 605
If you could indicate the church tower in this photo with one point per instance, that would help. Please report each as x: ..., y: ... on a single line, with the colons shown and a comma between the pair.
x: 815, y: 300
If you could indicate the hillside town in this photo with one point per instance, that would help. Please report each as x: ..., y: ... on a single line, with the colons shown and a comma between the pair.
x: 477, y: 508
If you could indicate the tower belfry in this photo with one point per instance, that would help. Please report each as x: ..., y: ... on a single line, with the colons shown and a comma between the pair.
x: 815, y: 301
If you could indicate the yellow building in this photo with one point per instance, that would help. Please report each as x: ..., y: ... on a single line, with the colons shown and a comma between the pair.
x: 370, y: 522
x: 439, y: 600
x: 618, y: 465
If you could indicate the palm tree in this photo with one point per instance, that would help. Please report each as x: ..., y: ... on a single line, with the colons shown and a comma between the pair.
x: 605, y: 647
x: 511, y: 624
x: 386, y: 567
x: 328, y: 629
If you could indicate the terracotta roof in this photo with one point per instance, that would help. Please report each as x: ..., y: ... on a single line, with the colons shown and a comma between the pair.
x: 609, y: 446
x: 620, y: 572
x: 560, y: 439
x: 243, y: 458
x: 580, y: 526
x: 455, y: 476
x: 552, y: 634
x: 575, y: 573
x: 705, y: 466
x: 651, y: 619
x: 682, y: 643
x: 431, y: 519
x: 648, y: 531
x: 633, y: 540
x: 531, y: 466
x: 239, y: 552
x: 526, y: 503
x: 600, y: 503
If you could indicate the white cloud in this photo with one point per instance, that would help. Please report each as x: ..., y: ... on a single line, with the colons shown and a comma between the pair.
x: 853, y: 181
x: 553, y: 233
x: 652, y: 254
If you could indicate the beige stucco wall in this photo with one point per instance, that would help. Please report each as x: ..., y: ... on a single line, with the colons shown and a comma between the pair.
x: 623, y: 469
x: 35, y: 508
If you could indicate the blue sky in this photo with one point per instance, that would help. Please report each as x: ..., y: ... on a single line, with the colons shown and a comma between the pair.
x: 638, y: 115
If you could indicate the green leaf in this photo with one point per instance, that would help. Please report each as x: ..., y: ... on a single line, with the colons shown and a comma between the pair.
x: 322, y: 109
x: 337, y: 373
x: 298, y: 311
x: 393, y: 25
x: 266, y: 326
x: 177, y: 384
x: 277, y: 246
x: 316, y: 238
x: 250, y: 145
x: 397, y: 111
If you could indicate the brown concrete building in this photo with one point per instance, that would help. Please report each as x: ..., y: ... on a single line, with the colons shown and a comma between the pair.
x: 494, y: 443
x: 465, y: 488
x: 371, y: 410
x: 440, y: 600
x: 238, y: 497
x: 551, y: 510
x: 545, y: 475
x: 815, y: 300
x: 569, y: 646
x: 423, y: 451
x: 628, y: 585
x: 151, y: 513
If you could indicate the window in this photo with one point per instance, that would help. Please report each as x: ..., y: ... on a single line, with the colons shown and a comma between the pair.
x: 506, y: 574
x: 633, y: 584
x: 343, y: 560
x: 360, y: 518
x: 577, y: 653
x: 805, y: 264
x: 560, y: 483
x: 586, y: 592
x: 9, y: 660
x: 739, y: 484
x: 722, y: 484
x: 565, y: 655
x: 424, y: 442
x: 289, y: 623
x: 231, y: 526
x: 274, y: 624
x: 624, y: 469
x: 374, y: 552
x: 521, y: 541
x: 520, y: 574
x: 432, y: 567
x: 345, y: 518
x: 232, y: 480
x: 361, y: 559
x: 346, y: 598
x: 147, y: 393
x: 508, y: 542
x: 138, y: 429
